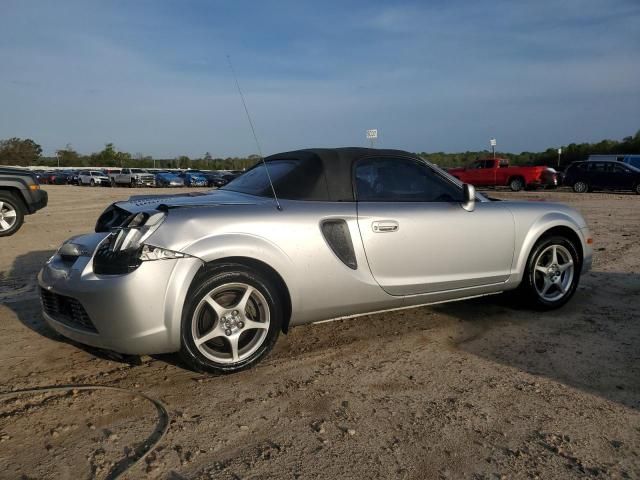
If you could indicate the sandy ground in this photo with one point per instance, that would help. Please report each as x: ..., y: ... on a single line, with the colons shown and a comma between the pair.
x: 479, y: 389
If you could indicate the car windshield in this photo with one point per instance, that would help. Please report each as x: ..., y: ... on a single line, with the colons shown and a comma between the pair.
x: 137, y: 170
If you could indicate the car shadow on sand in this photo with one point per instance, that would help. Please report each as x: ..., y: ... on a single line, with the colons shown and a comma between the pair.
x: 590, y: 344
x: 19, y: 291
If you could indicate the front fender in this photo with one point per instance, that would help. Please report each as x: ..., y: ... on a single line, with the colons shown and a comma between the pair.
x: 219, y: 247
x: 528, y: 236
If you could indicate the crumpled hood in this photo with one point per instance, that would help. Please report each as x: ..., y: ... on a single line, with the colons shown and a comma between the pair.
x: 116, y: 213
x: 138, y: 203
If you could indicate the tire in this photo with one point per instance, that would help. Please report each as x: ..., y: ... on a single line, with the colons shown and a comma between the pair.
x: 637, y: 189
x: 92, y: 183
x: 516, y: 184
x: 580, y: 187
x: 132, y: 184
x: 113, y: 183
x: 561, y: 275
x: 217, y: 298
x: 11, y: 214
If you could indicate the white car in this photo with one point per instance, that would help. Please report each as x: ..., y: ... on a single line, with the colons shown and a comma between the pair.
x: 94, y: 178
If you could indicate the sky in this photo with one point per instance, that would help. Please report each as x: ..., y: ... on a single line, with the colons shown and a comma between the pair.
x: 153, y: 76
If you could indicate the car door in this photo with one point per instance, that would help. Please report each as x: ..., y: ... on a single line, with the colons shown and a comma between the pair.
x: 419, y: 239
x: 598, y: 175
x: 476, y: 173
x: 124, y: 176
x: 620, y: 176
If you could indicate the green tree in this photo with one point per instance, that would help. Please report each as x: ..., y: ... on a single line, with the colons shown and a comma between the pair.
x: 18, y: 151
x: 183, y: 161
x: 68, y: 157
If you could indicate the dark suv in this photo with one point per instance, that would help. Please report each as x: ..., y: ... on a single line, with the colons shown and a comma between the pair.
x: 602, y: 175
x: 20, y: 195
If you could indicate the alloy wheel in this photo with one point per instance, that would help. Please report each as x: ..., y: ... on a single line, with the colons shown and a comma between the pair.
x: 580, y: 187
x: 554, y: 272
x: 8, y: 216
x: 230, y: 323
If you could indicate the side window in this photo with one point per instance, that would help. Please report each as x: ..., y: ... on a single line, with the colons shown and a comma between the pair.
x: 619, y: 169
x: 401, y: 180
x: 597, y: 167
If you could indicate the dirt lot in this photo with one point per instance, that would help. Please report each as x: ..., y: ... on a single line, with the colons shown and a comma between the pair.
x: 478, y: 389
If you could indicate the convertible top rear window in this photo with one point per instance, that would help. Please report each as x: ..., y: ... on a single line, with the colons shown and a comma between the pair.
x: 293, y: 179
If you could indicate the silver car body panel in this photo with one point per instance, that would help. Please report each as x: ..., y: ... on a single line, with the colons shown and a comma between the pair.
x: 439, y: 252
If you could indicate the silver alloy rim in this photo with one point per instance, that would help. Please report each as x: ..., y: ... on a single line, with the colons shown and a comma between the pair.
x: 580, y: 187
x: 553, y: 273
x: 230, y: 323
x: 8, y: 216
x: 516, y: 184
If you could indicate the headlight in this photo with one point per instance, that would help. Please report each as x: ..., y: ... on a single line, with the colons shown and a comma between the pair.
x: 150, y: 253
x: 137, y: 230
x: 124, y: 249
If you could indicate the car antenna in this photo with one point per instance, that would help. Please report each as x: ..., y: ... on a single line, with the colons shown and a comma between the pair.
x: 253, y: 130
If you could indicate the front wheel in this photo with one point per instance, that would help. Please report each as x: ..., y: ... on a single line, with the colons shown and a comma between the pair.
x: 637, y: 189
x: 552, y: 273
x: 232, y: 319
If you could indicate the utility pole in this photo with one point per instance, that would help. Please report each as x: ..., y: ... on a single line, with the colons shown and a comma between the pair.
x: 372, y: 135
x: 559, y: 153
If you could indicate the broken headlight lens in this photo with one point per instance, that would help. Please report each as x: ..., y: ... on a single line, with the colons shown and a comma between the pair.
x: 150, y: 253
x: 137, y: 230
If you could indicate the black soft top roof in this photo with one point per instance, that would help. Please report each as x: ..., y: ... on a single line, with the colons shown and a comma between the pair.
x: 336, y: 165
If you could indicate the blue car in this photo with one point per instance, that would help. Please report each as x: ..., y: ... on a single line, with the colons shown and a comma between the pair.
x: 194, y: 179
x: 169, y: 179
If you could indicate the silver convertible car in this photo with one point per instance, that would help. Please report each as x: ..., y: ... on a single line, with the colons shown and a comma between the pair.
x: 217, y: 276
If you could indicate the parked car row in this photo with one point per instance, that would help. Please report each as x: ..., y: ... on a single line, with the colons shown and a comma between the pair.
x: 599, y: 172
x: 136, y: 177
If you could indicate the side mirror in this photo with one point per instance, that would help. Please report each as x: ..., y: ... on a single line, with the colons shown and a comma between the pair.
x: 469, y: 193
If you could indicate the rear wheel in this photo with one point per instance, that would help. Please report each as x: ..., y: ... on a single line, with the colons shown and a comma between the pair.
x: 231, y: 320
x: 637, y: 189
x: 580, y: 187
x: 11, y: 214
x: 552, y: 274
x: 516, y: 184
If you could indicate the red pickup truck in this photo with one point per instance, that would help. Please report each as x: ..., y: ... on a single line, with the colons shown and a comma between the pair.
x: 497, y: 172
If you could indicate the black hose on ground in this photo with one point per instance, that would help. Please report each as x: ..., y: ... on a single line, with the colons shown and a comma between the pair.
x: 122, y: 467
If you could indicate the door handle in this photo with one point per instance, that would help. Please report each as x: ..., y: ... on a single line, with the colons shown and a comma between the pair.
x: 385, y: 226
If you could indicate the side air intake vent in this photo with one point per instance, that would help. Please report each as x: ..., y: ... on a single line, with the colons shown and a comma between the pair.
x: 336, y: 233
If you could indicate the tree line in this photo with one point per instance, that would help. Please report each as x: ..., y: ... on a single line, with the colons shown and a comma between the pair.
x: 26, y: 152
x: 570, y: 153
